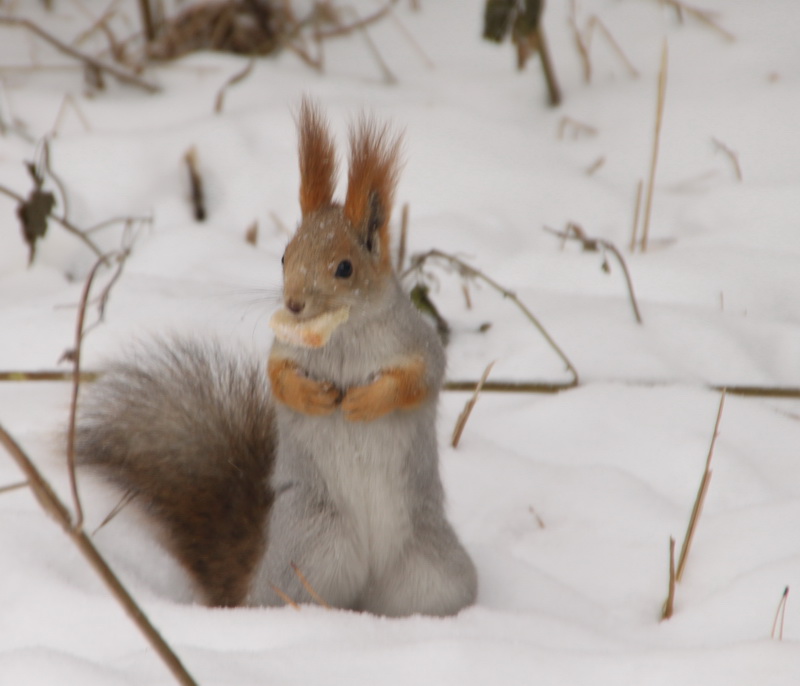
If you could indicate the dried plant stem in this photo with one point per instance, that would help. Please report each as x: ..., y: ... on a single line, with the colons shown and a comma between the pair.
x: 461, y: 422
x: 575, y: 232
x: 76, y: 382
x: 195, y: 185
x: 637, y: 208
x: 669, y: 603
x: 576, y: 127
x: 284, y: 597
x: 468, y: 272
x: 553, y: 90
x: 238, y: 77
x: 401, y: 248
x: 701, y: 495
x: 596, y: 22
x: 780, y: 616
x: 71, y: 228
x: 13, y: 487
x: 114, y: 70
x: 309, y: 588
x: 147, y: 20
x: 662, y: 90
x: 703, y: 16
x: 54, y: 507
x: 731, y: 155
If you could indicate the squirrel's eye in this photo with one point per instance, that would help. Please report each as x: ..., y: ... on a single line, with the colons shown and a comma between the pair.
x: 344, y: 270
x: 283, y: 259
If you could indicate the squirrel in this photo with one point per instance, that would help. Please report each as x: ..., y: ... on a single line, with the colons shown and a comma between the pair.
x: 325, y: 483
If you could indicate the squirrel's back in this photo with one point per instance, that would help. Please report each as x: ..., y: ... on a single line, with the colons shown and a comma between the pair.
x: 187, y: 428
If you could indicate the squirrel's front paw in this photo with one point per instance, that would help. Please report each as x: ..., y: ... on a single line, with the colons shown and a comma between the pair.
x: 365, y: 403
x: 290, y: 387
x: 398, y: 388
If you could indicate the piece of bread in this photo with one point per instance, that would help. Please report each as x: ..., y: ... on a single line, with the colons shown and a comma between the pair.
x: 307, y: 333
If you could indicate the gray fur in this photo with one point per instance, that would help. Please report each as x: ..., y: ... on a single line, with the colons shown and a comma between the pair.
x: 360, y: 506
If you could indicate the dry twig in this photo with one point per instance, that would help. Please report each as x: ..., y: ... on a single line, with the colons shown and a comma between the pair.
x: 669, y: 603
x: 196, y: 185
x: 54, y: 507
x: 468, y: 272
x: 92, y: 63
x: 575, y: 232
x: 576, y: 128
x: 706, y: 17
x: 401, y: 248
x: 780, y: 616
x: 637, y: 207
x: 316, y: 597
x: 238, y: 77
x: 284, y: 597
x: 731, y: 155
x: 662, y: 90
x: 461, y: 422
x: 701, y: 496
x: 13, y: 487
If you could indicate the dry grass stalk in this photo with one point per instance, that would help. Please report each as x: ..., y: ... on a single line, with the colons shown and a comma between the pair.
x: 75, y: 356
x: 309, y: 588
x: 284, y: 597
x: 780, y: 616
x: 468, y: 272
x: 461, y: 422
x: 195, y: 185
x: 13, y: 487
x: 575, y: 127
x: 238, y: 77
x: 53, y: 506
x: 99, y: 66
x: 637, y: 207
x: 127, y: 498
x: 575, y: 232
x: 536, y: 516
x: 581, y: 42
x: 251, y: 235
x: 669, y: 603
x: 401, y: 248
x: 662, y: 90
x: 596, y: 22
x: 701, y: 495
x: 426, y: 60
x: 69, y: 101
x: 706, y: 17
x: 731, y: 155
x: 147, y: 20
x: 594, y: 166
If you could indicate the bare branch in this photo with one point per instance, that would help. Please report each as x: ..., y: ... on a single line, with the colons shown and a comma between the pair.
x: 461, y: 422
x: 114, y: 70
x: 575, y: 232
x: 54, y: 507
x: 466, y: 271
x: 701, y: 495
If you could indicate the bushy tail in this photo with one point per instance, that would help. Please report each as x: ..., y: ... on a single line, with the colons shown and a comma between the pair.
x: 188, y: 429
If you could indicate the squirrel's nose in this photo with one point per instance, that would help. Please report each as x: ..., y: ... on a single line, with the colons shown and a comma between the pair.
x: 295, y: 306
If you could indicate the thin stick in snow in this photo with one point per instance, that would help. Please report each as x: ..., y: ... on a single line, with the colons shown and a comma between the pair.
x: 731, y: 155
x: 662, y: 90
x: 54, y: 507
x: 701, y: 495
x: 309, y: 588
x: 461, y: 422
x: 637, y: 207
x: 196, y: 185
x: 780, y: 616
x: 669, y: 603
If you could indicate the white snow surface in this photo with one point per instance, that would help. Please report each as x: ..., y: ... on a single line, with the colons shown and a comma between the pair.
x: 566, y: 501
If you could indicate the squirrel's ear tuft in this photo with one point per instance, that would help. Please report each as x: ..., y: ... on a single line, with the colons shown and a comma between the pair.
x: 374, y: 168
x: 317, y: 159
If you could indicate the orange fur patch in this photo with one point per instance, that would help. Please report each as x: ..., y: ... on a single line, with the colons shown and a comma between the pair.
x: 374, y: 168
x: 397, y: 388
x: 317, y: 160
x: 304, y: 395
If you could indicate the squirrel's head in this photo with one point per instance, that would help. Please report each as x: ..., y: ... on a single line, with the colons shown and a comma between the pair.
x: 340, y: 254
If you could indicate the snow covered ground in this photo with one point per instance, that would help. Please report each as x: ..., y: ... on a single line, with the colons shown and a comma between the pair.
x: 566, y: 502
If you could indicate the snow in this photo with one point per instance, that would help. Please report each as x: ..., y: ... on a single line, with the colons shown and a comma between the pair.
x: 565, y: 501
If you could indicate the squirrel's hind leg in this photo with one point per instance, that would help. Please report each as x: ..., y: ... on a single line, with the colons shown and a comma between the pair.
x: 434, y: 576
